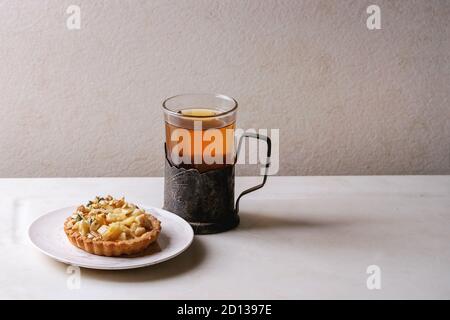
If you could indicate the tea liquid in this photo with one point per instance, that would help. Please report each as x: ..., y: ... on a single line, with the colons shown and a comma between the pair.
x: 225, y: 151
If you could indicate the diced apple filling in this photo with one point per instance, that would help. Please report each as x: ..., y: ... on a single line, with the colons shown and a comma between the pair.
x: 110, y: 219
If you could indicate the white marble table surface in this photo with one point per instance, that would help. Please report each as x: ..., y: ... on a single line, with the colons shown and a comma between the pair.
x: 300, y: 237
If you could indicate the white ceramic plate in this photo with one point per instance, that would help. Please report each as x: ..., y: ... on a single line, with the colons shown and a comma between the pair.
x: 47, y: 234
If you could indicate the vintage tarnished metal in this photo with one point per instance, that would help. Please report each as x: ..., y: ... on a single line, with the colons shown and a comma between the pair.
x: 206, y: 200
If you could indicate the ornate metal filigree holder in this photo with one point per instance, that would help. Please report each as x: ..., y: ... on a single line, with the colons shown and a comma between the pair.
x: 206, y: 200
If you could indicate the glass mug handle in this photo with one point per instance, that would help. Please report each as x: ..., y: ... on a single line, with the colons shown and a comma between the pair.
x: 267, y: 165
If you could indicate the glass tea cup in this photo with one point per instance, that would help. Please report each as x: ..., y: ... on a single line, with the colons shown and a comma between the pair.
x: 200, y: 160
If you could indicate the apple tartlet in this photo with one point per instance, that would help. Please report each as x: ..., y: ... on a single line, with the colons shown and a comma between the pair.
x: 111, y: 227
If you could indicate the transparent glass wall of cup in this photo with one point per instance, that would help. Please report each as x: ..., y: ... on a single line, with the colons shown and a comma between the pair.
x: 200, y: 131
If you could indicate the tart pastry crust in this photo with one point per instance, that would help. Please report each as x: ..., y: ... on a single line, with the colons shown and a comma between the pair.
x: 117, y: 247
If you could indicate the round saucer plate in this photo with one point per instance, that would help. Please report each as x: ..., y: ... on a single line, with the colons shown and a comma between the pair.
x: 47, y: 234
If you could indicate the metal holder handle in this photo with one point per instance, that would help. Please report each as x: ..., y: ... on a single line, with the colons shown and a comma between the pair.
x: 269, y: 150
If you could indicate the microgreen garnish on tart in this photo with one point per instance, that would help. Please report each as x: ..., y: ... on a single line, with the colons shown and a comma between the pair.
x: 111, y: 227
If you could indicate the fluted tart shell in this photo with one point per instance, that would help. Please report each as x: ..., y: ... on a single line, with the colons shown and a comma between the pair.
x: 117, y: 247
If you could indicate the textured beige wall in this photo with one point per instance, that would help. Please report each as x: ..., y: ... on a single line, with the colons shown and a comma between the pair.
x: 347, y: 100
